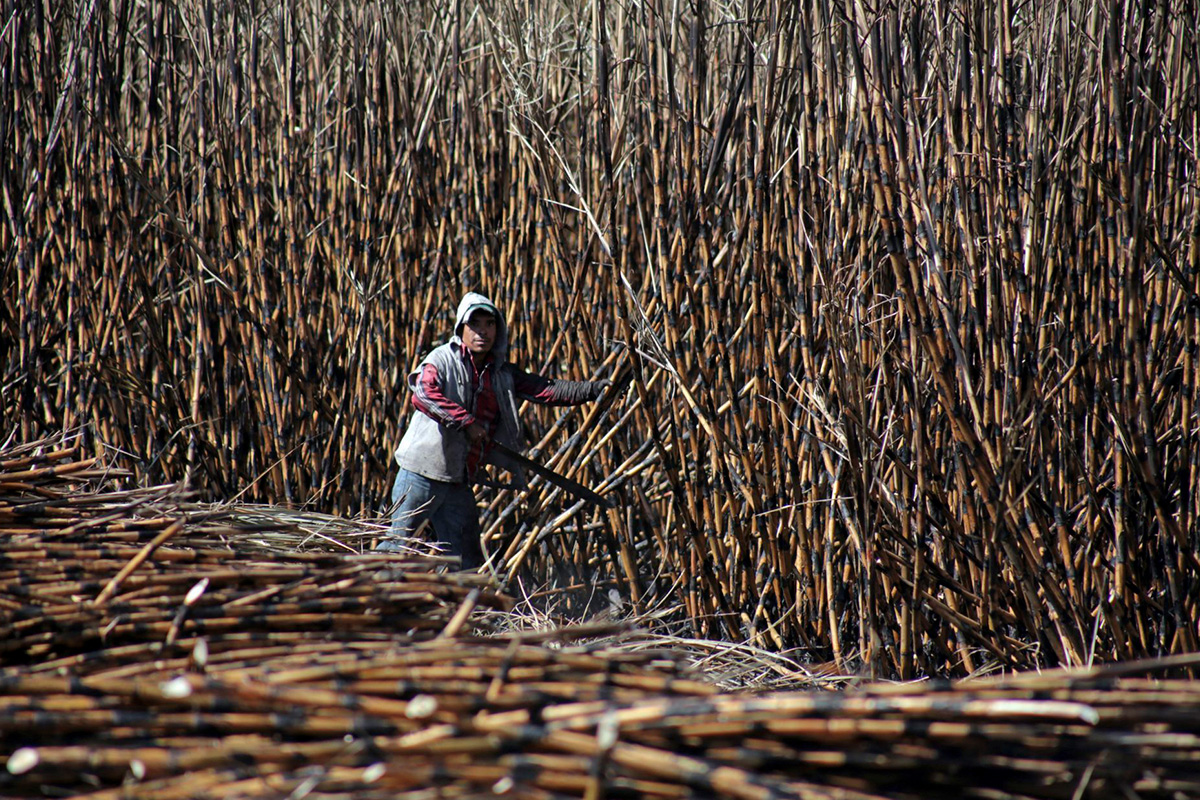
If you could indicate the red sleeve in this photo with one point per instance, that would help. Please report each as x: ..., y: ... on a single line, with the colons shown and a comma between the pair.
x: 551, y: 392
x: 430, y: 400
x: 533, y: 387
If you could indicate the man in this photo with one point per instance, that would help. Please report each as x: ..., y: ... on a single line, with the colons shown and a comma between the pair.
x: 465, y: 394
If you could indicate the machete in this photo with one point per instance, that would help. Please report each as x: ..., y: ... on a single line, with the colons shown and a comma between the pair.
x: 561, y: 481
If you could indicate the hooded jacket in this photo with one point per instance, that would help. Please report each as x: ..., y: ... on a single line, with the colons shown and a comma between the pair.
x: 439, y: 451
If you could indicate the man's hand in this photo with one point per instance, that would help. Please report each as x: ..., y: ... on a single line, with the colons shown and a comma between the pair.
x: 476, y: 432
x: 598, y: 387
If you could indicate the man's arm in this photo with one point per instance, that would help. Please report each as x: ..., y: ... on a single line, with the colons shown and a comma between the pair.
x: 547, y: 391
x: 430, y: 400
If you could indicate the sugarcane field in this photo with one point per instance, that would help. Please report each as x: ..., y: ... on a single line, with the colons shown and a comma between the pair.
x: 609, y: 399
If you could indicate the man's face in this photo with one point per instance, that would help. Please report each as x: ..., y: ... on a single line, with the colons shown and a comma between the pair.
x: 479, y: 333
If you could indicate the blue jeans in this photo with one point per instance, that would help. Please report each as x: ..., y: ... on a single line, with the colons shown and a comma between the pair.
x: 450, y: 509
